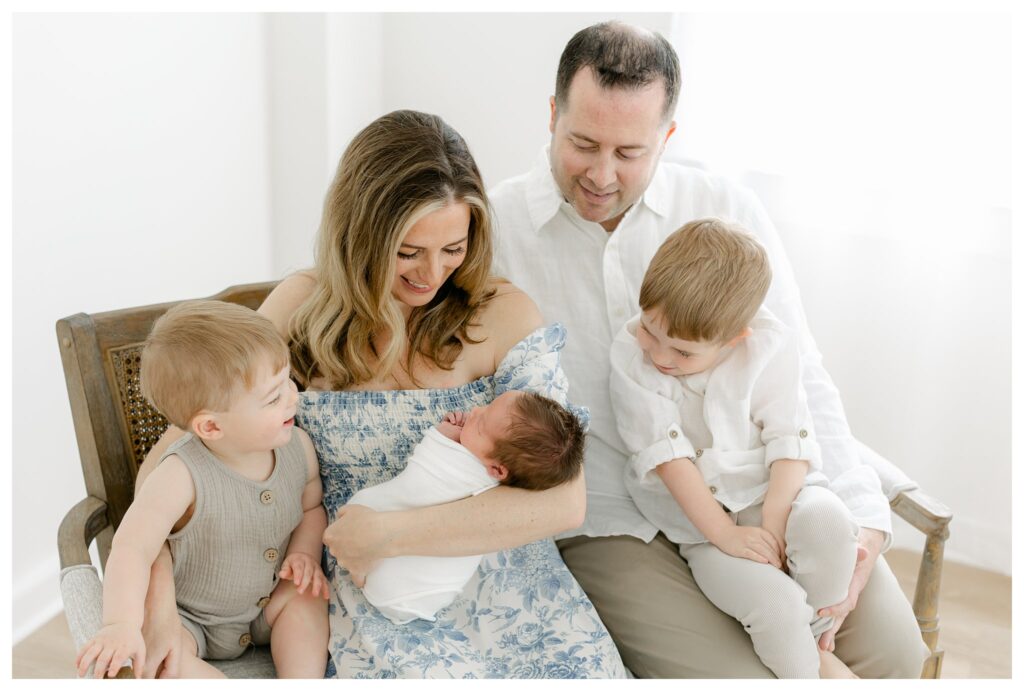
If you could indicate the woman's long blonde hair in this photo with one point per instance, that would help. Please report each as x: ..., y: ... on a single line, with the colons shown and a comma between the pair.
x: 398, y: 169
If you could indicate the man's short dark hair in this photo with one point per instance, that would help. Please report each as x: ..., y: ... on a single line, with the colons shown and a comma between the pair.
x: 622, y: 57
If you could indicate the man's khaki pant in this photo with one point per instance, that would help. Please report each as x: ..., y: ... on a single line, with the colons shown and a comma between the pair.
x: 665, y: 628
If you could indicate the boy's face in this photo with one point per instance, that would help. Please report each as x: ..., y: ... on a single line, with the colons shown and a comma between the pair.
x: 674, y: 356
x: 261, y: 418
x: 486, y: 424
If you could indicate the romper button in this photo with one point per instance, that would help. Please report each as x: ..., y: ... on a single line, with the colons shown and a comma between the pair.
x: 699, y: 452
x: 714, y: 490
x: 244, y: 640
x: 266, y: 496
x: 263, y: 602
x: 673, y: 434
x: 803, y: 433
x: 270, y: 554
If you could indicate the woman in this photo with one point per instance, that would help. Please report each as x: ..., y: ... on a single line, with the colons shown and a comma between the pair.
x: 398, y: 323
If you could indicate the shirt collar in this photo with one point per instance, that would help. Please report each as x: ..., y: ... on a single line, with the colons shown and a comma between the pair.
x: 544, y: 199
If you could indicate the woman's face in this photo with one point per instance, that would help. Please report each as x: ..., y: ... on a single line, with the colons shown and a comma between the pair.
x: 430, y: 252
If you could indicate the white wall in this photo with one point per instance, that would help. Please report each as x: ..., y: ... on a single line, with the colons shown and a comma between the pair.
x: 141, y: 174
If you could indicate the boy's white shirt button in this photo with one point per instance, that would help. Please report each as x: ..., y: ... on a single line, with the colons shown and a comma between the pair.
x: 266, y: 496
x: 270, y: 554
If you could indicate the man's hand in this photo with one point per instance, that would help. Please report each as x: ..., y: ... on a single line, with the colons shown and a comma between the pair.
x: 868, y: 547
x: 747, y: 542
x: 356, y: 539
x: 452, y: 425
x: 114, y: 645
x: 305, y: 571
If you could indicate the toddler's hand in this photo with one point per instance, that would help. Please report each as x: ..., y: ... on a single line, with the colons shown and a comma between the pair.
x: 776, y: 525
x: 114, y: 645
x: 746, y: 542
x: 305, y: 572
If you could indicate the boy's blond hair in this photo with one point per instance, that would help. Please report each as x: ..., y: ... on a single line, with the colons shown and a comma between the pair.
x: 198, y: 354
x: 708, y: 279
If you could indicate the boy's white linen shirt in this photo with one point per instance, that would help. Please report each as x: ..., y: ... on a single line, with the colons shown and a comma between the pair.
x: 588, y: 279
x: 733, y: 421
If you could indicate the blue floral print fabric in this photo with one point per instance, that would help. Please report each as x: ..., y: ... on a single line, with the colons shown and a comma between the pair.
x: 522, y: 615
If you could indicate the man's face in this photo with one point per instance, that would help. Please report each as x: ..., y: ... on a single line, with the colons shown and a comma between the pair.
x: 605, y: 145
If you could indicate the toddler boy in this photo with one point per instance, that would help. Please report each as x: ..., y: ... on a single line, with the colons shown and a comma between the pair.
x: 238, y: 499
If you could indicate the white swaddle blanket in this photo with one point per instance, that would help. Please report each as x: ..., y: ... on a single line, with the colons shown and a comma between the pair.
x: 439, y: 470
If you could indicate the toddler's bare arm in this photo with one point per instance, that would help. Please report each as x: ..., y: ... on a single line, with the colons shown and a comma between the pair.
x: 302, y: 562
x: 137, y: 542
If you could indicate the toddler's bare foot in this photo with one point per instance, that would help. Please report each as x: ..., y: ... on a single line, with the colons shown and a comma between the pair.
x: 833, y: 668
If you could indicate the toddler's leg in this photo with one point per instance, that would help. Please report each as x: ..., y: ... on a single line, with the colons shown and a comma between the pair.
x: 192, y: 666
x: 770, y: 605
x: 298, y: 632
x: 834, y: 668
x: 821, y: 546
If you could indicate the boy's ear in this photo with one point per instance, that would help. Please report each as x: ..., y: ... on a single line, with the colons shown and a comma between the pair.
x: 740, y: 336
x: 554, y: 115
x: 204, y: 425
x: 497, y: 471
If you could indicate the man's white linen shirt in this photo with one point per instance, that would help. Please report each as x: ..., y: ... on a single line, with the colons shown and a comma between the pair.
x: 589, y: 279
x: 732, y: 420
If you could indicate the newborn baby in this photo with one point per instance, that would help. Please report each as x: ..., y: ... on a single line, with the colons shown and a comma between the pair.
x: 520, y: 439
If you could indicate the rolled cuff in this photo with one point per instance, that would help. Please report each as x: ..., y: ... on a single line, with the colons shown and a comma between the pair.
x: 795, y: 447
x: 671, y: 446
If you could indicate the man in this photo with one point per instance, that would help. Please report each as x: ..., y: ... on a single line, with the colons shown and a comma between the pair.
x: 576, y: 233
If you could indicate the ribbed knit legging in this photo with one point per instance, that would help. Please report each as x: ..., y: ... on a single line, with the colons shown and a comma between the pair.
x: 779, y: 612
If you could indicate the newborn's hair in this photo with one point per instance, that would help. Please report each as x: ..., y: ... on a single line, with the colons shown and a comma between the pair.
x: 543, y: 446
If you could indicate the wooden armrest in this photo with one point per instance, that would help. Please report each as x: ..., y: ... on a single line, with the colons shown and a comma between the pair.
x: 932, y: 518
x: 79, y: 528
x: 928, y: 515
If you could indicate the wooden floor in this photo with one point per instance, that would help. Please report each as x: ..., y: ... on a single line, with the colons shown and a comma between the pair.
x: 974, y: 616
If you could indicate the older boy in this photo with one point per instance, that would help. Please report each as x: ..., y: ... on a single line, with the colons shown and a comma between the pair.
x: 707, y: 396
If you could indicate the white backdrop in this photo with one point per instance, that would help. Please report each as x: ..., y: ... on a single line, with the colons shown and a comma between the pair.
x: 166, y: 156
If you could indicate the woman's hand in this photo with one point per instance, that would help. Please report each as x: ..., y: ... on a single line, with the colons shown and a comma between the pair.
x: 357, y: 540
x: 868, y: 547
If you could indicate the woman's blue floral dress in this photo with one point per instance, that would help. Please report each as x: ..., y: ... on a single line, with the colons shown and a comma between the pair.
x: 522, y: 615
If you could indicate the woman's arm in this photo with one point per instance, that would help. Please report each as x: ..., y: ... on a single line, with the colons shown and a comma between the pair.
x: 497, y: 519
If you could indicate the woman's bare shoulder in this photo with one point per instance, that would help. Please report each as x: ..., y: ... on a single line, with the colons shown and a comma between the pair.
x: 286, y: 297
x: 508, y: 317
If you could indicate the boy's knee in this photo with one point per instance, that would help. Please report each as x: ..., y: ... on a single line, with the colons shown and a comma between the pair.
x: 820, y: 518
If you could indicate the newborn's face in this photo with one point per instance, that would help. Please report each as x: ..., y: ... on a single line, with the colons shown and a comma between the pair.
x: 486, y: 424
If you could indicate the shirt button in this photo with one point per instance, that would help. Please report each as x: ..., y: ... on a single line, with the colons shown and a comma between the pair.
x: 673, y: 434
x: 244, y: 640
x: 263, y: 602
x: 714, y: 490
x: 266, y: 496
x: 270, y: 554
x: 803, y: 434
x: 700, y: 452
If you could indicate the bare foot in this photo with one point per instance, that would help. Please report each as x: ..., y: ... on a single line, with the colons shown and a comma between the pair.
x: 833, y: 668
